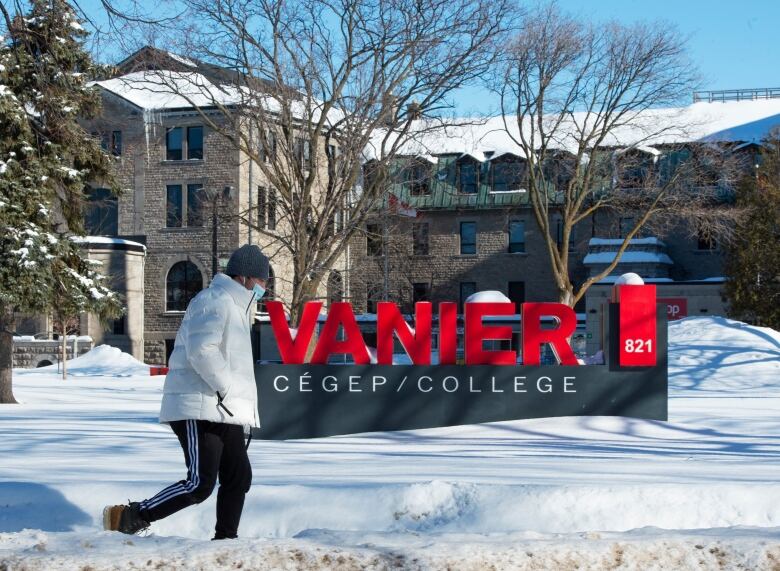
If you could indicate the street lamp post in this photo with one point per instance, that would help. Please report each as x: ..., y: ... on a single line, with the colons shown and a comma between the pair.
x: 215, y: 196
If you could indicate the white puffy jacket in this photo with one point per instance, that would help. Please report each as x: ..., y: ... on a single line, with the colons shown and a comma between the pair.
x: 213, y: 354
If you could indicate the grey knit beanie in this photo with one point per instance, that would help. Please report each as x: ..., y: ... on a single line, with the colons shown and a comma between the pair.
x: 248, y: 261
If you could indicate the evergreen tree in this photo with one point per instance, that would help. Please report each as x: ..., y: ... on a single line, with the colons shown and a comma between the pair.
x: 753, y: 258
x: 46, y: 159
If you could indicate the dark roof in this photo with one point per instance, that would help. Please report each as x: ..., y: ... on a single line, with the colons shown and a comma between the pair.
x: 151, y: 58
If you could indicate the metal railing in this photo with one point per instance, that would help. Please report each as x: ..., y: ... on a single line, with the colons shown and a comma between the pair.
x: 737, y: 94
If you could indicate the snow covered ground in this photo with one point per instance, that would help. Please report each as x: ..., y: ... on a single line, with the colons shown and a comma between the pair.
x: 699, y: 491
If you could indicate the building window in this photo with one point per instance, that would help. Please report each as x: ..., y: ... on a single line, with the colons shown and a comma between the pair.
x: 184, y: 210
x: 117, y: 325
x: 418, y: 176
x: 421, y: 291
x: 110, y: 141
x: 183, y: 283
x: 335, y: 288
x: 516, y: 293
x: 101, y: 213
x: 268, y: 147
x: 468, y: 177
x: 420, y: 239
x: 175, y: 206
x: 342, y: 217
x: 194, y: 206
x: 466, y: 289
x: 558, y: 170
x: 195, y: 143
x: 269, y: 295
x: 705, y: 242
x: 261, y: 206
x: 271, y: 209
x: 635, y: 170
x: 173, y: 144
x: 373, y: 296
x: 516, y: 236
x: 374, y: 174
x: 507, y: 175
x: 559, y: 232
x: 116, y: 143
x: 303, y: 153
x: 333, y: 152
x: 625, y: 225
x: 468, y: 237
x: 373, y: 240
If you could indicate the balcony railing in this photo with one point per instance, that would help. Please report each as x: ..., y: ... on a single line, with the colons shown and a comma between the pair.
x: 737, y: 94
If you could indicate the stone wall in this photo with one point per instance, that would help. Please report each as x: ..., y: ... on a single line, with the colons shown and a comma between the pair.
x: 29, y: 354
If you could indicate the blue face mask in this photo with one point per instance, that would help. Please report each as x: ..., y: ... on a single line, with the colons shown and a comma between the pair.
x: 259, y: 292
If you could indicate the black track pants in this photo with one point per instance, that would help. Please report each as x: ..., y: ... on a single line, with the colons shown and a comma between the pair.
x: 211, y: 450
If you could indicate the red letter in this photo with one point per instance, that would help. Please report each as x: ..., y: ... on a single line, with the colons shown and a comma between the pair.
x: 534, y: 336
x: 476, y: 332
x: 448, y: 332
x: 328, y: 343
x: 293, y: 352
x: 637, y: 325
x: 417, y: 345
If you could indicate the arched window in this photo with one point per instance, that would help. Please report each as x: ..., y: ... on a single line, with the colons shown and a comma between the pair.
x: 184, y: 281
x: 269, y: 291
x: 335, y: 288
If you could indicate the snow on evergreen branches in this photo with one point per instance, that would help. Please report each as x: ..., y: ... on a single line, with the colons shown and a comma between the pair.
x: 45, y: 159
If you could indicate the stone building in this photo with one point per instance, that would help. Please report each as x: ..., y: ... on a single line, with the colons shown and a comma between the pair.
x: 472, y: 228
x: 184, y: 187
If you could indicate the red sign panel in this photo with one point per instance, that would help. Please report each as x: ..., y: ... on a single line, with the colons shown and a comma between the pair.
x: 676, y: 307
x: 638, y: 337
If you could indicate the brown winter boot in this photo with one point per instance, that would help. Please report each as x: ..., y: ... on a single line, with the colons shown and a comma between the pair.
x: 125, y: 519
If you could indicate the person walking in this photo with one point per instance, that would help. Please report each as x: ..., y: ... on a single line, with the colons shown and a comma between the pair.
x: 209, y: 398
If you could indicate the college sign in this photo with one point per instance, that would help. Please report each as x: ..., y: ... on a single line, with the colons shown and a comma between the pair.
x: 299, y: 399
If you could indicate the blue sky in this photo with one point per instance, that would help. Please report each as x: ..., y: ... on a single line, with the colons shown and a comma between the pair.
x: 734, y: 43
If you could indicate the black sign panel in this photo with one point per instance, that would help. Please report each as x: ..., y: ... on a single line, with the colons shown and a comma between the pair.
x: 310, y: 401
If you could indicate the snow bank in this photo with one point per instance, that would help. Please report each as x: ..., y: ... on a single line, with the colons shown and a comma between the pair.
x: 646, y: 549
x: 715, y: 356
x: 103, y: 360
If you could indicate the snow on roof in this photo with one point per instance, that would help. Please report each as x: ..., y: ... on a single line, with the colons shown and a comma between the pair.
x: 182, y: 59
x: 159, y: 90
x: 169, y: 90
x: 105, y: 240
x: 643, y: 148
x: 619, y: 242
x: 628, y: 258
x: 729, y: 121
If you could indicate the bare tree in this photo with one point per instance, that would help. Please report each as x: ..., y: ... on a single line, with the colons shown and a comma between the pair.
x: 580, y: 101
x: 316, y: 89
